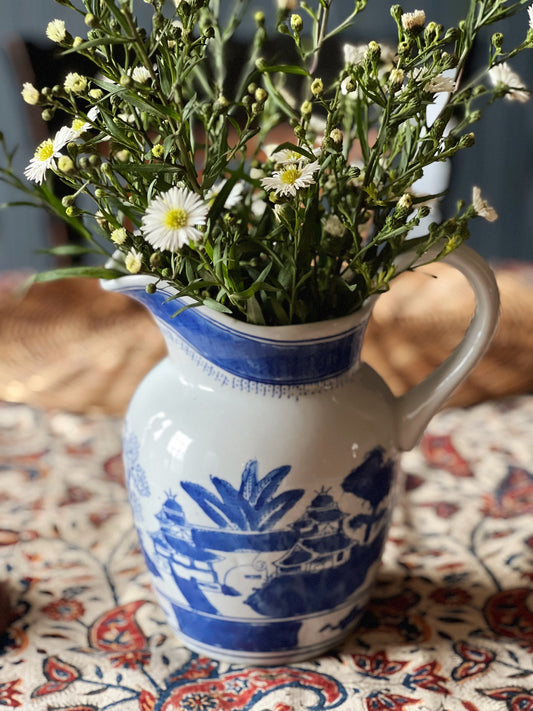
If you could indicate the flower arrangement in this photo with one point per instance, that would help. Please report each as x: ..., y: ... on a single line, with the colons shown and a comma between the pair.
x: 278, y: 196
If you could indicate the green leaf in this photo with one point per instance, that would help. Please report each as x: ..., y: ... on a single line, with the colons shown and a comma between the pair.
x: 68, y: 250
x: 98, y: 43
x: 148, y: 169
x: 286, y: 69
x: 254, y: 313
x: 287, y: 145
x: 216, y: 305
x: 69, y: 272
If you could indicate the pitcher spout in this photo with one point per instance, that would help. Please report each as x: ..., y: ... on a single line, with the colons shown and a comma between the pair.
x: 275, y: 355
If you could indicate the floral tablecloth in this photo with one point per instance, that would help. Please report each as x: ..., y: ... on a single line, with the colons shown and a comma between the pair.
x: 450, y: 626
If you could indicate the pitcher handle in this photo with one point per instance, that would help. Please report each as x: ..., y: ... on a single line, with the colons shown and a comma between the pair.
x: 417, y: 406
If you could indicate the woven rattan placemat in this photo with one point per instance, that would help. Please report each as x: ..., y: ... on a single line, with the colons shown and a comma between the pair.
x: 73, y: 346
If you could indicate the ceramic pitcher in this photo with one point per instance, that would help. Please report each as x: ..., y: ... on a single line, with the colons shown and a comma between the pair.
x: 262, y: 470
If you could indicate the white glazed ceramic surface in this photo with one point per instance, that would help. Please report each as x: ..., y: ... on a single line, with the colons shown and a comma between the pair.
x: 261, y: 466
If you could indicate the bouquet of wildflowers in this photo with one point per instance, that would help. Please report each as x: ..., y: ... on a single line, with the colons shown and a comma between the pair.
x: 280, y: 195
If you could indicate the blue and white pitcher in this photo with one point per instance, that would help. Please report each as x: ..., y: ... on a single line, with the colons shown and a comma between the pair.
x: 262, y: 470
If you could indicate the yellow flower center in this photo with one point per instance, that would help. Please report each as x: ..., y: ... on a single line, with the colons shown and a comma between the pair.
x: 77, y: 125
x: 290, y: 175
x: 176, y: 218
x: 45, y: 150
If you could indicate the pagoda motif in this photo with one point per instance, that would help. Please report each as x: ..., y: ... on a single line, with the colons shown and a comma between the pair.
x: 321, y: 540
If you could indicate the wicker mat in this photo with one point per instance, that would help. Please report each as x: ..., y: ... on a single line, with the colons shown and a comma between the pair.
x: 72, y: 346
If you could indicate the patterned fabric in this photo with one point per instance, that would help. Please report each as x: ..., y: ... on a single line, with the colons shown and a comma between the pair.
x: 449, y: 628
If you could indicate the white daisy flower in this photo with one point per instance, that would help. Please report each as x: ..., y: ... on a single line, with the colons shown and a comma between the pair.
x: 45, y: 155
x: 530, y: 13
x: 141, y: 75
x: 126, y: 118
x: 233, y: 198
x: 79, y: 126
x: 291, y: 178
x: 286, y: 156
x: 354, y: 53
x: 333, y: 226
x: 170, y: 219
x: 413, y: 20
x: 439, y: 84
x: 482, y: 207
x: 503, y: 74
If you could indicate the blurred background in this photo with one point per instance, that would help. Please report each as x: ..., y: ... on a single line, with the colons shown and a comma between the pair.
x: 500, y: 162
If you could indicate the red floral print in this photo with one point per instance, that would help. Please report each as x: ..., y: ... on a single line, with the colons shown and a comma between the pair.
x: 64, y: 609
x: 9, y: 690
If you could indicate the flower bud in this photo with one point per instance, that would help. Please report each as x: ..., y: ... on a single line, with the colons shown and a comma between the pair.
x: 373, y: 53
x: 404, y: 207
x: 467, y: 141
x: 306, y: 109
x: 156, y: 260
x: 74, y: 82
x: 260, y: 95
x: 404, y: 49
x: 123, y: 156
x: 91, y: 20
x: 396, y: 78
x: 65, y: 164
x: 220, y: 105
x: 150, y: 288
x: 317, y: 87
x: 30, y: 94
x: 259, y: 18
x: 497, y: 40
x: 56, y: 32
x: 432, y: 32
x: 297, y: 24
x: 452, y: 35
x: 337, y: 137
x: 133, y: 261
x: 158, y: 150
x: 396, y: 12
x: 449, y: 61
x: 119, y: 235
x: 68, y: 200
x: 348, y: 86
